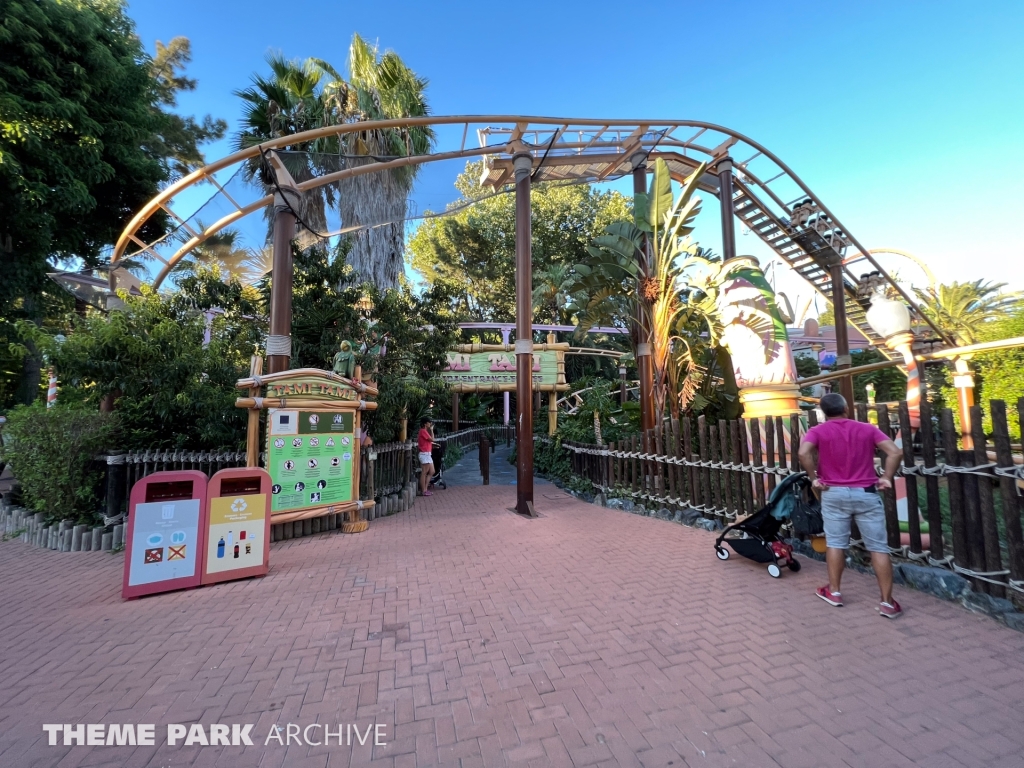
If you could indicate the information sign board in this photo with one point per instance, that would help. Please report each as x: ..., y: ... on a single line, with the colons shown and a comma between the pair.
x: 310, y: 458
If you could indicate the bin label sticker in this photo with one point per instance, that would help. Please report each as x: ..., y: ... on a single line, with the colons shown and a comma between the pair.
x: 161, y: 533
x: 235, y: 539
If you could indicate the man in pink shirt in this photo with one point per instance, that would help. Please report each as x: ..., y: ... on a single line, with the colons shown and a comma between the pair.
x: 839, y: 457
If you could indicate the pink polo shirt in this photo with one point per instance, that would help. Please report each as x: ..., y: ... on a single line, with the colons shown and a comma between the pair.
x: 846, y: 452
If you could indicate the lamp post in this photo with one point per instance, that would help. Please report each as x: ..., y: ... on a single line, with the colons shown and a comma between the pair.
x: 890, y: 319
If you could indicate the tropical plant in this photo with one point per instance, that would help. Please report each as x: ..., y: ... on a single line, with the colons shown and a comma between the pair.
x: 52, y: 450
x: 961, y: 310
x: 222, y: 252
x: 648, y: 276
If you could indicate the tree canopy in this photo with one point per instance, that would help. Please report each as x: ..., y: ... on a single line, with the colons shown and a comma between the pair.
x: 87, y: 136
x: 473, y: 248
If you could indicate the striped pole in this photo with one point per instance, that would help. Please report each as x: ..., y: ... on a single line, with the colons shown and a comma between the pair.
x: 51, y: 392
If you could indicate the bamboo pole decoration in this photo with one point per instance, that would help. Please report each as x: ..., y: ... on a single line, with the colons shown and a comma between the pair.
x: 301, y: 402
x: 252, y: 441
x: 270, y: 378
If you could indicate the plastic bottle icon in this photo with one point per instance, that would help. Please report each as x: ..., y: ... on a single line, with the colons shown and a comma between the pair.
x: 231, y: 539
x: 236, y: 551
x: 220, y: 547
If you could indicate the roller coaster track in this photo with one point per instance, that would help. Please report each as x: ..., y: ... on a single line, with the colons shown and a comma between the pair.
x: 768, y: 197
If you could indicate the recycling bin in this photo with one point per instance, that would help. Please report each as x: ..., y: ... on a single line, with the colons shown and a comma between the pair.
x: 166, y: 533
x: 238, y: 525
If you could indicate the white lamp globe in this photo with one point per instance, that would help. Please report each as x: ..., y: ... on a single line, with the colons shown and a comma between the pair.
x: 888, y: 317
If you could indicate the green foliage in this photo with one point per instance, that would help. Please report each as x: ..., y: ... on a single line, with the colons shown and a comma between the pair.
x: 1001, y: 373
x: 169, y: 390
x: 962, y: 310
x: 649, y: 277
x: 473, y: 248
x: 600, y: 395
x: 402, y: 341
x: 84, y: 138
x: 890, y: 383
x: 52, y: 452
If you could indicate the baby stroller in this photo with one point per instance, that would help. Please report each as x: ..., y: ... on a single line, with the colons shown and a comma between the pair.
x: 757, y: 537
x: 437, y: 456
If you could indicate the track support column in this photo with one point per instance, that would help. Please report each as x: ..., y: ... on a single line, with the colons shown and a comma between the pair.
x: 286, y: 199
x: 523, y: 165
x: 843, y: 359
x: 724, y: 170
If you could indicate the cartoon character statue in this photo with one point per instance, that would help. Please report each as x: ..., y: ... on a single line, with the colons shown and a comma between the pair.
x: 755, y: 335
x: 345, y: 361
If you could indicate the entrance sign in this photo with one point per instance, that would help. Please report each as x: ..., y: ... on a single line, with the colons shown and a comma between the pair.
x: 166, y: 533
x: 238, y: 525
x: 312, y: 442
x: 492, y: 368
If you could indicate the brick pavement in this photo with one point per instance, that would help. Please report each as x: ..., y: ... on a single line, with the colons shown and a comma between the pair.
x: 586, y: 637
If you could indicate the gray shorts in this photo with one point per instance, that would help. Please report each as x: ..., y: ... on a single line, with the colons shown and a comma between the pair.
x: 839, y: 506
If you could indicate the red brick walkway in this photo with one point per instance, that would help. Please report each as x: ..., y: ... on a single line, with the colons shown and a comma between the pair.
x: 587, y: 637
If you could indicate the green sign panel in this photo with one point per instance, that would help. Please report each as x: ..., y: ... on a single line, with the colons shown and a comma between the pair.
x: 310, y: 458
x: 484, y: 369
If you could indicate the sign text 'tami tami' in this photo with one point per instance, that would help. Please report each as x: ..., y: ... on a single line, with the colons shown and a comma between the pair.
x: 303, y: 388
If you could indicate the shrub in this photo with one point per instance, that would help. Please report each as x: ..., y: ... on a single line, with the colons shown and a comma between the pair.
x: 52, y: 453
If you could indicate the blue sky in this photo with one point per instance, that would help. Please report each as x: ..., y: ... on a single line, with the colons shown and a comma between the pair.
x: 905, y: 118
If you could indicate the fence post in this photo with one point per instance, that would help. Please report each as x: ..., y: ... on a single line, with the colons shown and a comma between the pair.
x: 485, y: 460
x: 931, y: 482
x: 115, y: 483
x: 954, y: 483
x: 1008, y: 491
x: 726, y: 458
x: 892, y: 521
x: 913, y: 509
x: 692, y: 483
x: 755, y: 447
x: 972, y: 515
x: 989, y: 527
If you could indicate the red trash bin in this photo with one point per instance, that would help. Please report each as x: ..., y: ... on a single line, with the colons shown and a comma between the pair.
x: 238, y: 525
x: 166, y: 533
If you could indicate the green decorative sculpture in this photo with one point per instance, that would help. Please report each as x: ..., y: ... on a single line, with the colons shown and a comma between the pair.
x: 345, y: 361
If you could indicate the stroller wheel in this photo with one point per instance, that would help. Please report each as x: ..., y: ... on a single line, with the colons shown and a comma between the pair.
x: 722, y: 552
x: 774, y: 571
x: 794, y: 566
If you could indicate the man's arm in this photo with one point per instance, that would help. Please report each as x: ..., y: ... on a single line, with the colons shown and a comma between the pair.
x: 893, y: 457
x: 808, y: 455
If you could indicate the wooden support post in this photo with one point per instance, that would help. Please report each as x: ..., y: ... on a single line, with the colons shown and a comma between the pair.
x: 455, y: 411
x: 523, y: 165
x: 892, y: 522
x: 252, y: 433
x: 913, y: 508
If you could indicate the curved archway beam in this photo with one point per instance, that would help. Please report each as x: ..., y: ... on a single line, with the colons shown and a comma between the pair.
x: 618, y: 138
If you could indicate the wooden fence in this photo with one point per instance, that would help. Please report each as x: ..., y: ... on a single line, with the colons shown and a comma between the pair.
x: 970, y: 499
x: 385, y: 469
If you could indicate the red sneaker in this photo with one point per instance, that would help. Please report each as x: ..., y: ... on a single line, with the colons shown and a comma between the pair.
x: 830, y: 597
x: 890, y: 610
x: 428, y: 493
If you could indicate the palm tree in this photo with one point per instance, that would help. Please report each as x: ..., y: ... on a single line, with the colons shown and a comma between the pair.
x: 550, y: 292
x: 295, y: 98
x: 381, y: 87
x: 961, y: 309
x: 223, y: 253
x: 304, y: 95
